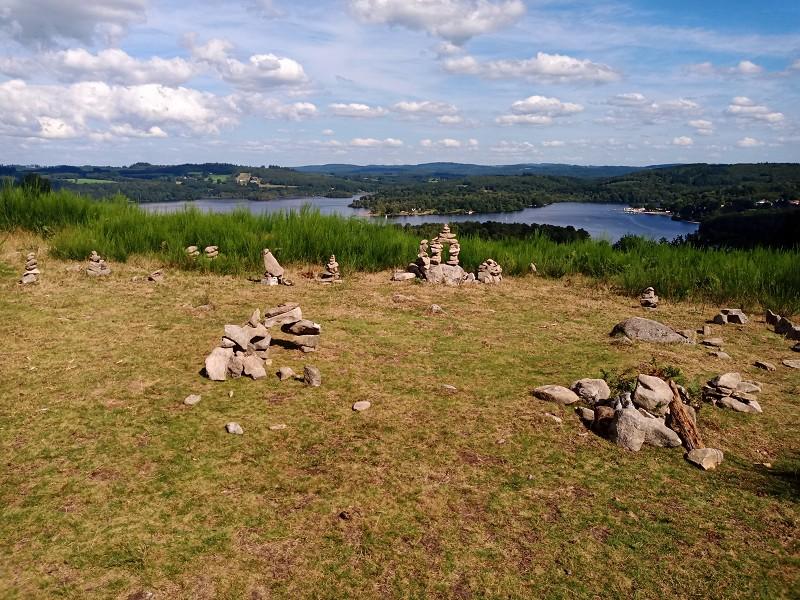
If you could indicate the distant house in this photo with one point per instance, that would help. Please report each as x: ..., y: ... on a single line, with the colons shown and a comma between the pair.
x: 243, y: 178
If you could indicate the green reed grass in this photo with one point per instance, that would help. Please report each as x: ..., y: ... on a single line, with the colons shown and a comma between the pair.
x: 118, y: 229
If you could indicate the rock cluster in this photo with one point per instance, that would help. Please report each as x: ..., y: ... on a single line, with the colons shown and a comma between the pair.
x: 783, y: 326
x: 244, y: 349
x: 211, y: 251
x: 648, y: 299
x: 331, y: 273
x: 490, y: 272
x: 273, y: 271
x: 647, y: 330
x: 31, y: 274
x: 97, y: 266
x: 192, y: 251
x: 730, y: 315
x: 730, y: 391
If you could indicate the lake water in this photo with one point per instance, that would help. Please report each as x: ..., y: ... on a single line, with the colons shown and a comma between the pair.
x: 602, y: 221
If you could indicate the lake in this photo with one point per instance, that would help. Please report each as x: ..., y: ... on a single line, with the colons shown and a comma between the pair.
x: 602, y: 221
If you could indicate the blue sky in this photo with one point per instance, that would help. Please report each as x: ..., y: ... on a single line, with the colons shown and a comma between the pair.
x: 398, y: 81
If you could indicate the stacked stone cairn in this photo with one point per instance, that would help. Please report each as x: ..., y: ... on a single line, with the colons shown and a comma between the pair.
x: 273, y: 271
x: 244, y: 350
x: 331, y: 273
x: 648, y: 299
x: 730, y: 315
x: 31, y: 274
x: 783, y: 326
x: 97, y: 266
x: 490, y: 272
x: 192, y: 251
x: 730, y: 391
x: 211, y: 252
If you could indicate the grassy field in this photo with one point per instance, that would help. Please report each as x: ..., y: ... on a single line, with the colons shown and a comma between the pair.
x: 111, y: 487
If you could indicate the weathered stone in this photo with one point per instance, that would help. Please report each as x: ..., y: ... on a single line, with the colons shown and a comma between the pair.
x: 735, y: 316
x: 647, y: 330
x: 403, y: 276
x: 238, y: 335
x: 306, y: 341
x: 271, y: 265
x: 793, y: 333
x: 253, y: 367
x: 748, y: 387
x: 255, y: 318
x: 772, y: 318
x: 628, y: 429
x: 783, y: 326
x: 603, y: 416
x: 652, y: 394
x: 767, y: 366
x: 796, y: 347
x: 285, y: 373
x: 236, y: 364
x: 192, y: 250
x: 302, y: 327
x: 720, y: 354
x: 156, y: 276
x: 706, y: 330
x: 721, y: 319
x: 591, y: 390
x: 792, y: 364
x: 261, y: 343
x: 688, y: 334
x: 227, y: 343
x: 554, y: 418
x: 727, y: 381
x: 743, y: 397
x: 705, y: 458
x: 585, y: 414
x: 449, y: 389
x: 191, y: 400
x: 312, y: 376
x: 217, y: 363
x: 659, y: 435
x: 234, y: 428
x: 739, y: 406
x: 435, y: 309
x: 555, y: 393
x: 361, y: 405
x: 28, y: 278
x: 715, y: 342
x: 289, y: 312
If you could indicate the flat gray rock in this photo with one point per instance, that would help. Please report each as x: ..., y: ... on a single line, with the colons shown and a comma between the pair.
x: 254, y: 367
x: 659, y: 435
x: 285, y: 313
x: 591, y: 390
x: 705, y: 458
x: 191, y: 400
x: 748, y: 387
x: 302, y: 327
x: 585, y: 414
x: 217, y: 363
x: 739, y: 406
x: 792, y: 364
x: 715, y: 342
x: 285, y: 373
x: 652, y: 394
x: 238, y: 334
x: 361, y: 405
x: 647, y: 330
x: 727, y: 381
x: 720, y: 355
x: 234, y: 428
x: 403, y: 276
x: 555, y: 393
x: 767, y: 366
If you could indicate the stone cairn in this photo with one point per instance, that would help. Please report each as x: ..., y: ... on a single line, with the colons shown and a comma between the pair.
x: 730, y: 391
x: 31, y: 274
x: 730, y: 315
x: 211, y: 252
x: 331, y: 273
x: 783, y: 326
x: 244, y: 350
x: 648, y: 299
x: 192, y: 251
x: 490, y: 272
x: 273, y: 271
x: 97, y: 266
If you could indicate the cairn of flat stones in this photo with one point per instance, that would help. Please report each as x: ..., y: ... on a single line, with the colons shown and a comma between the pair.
x: 730, y: 315
x: 31, y: 274
x: 273, y: 271
x: 244, y: 349
x: 490, y: 272
x: 783, y: 326
x: 97, y: 267
x: 331, y: 273
x: 730, y: 391
x: 648, y: 299
x: 211, y: 251
x: 192, y: 251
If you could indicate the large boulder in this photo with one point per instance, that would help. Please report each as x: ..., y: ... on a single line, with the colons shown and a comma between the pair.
x: 240, y: 335
x: 555, y: 393
x: 658, y: 434
x: 628, y: 429
x: 591, y: 390
x: 217, y: 363
x: 652, y: 394
x: 647, y: 330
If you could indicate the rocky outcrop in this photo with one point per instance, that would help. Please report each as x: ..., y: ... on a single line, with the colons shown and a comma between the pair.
x: 728, y: 390
x: 783, y: 326
x: 31, y: 273
x: 97, y: 266
x: 647, y: 330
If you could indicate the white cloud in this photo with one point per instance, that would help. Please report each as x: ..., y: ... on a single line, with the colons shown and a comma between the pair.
x: 374, y: 143
x: 745, y: 68
x: 702, y: 126
x: 357, y: 110
x: 454, y: 20
x: 45, y: 23
x: 629, y: 99
x: 683, y: 140
x: 795, y: 66
x: 449, y: 143
x: 553, y: 143
x: 551, y: 68
x: 745, y: 109
x: 451, y: 119
x: 327, y: 132
x: 258, y: 105
x: 635, y: 106
x: 116, y: 66
x: 538, y: 110
x: 514, y: 148
x: 748, y: 142
x: 425, y: 107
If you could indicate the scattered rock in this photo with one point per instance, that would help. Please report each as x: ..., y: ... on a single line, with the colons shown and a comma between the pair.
x: 730, y: 315
x: 706, y: 330
x: 585, y: 414
x: 729, y: 391
x: 435, y: 309
x: 556, y: 393
x: 648, y: 299
x: 191, y: 400
x: 402, y: 298
x: 705, y: 458
x: 652, y: 394
x: 772, y: 318
x: 627, y: 429
x: 217, y: 363
x: 553, y: 417
x: 449, y: 389
x: 792, y: 364
x: 767, y: 366
x: 361, y: 405
x: 285, y: 373
x: 740, y: 405
x: 288, y: 312
x: 277, y: 427
x: 659, y: 435
x: 748, y: 387
x: 720, y: 354
x: 715, y: 342
x: 312, y: 376
x: 302, y: 327
x: 727, y: 381
x: 192, y: 251
x: 647, y: 330
x: 253, y: 366
x: 591, y: 390
x: 401, y: 276
x: 156, y: 276
x: 532, y: 269
x: 234, y: 428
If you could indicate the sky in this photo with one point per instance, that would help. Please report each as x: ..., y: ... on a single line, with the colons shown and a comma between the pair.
x: 294, y: 82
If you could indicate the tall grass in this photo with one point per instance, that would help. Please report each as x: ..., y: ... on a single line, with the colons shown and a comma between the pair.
x: 118, y: 229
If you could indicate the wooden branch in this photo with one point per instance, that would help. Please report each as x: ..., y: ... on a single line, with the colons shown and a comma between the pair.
x: 682, y: 422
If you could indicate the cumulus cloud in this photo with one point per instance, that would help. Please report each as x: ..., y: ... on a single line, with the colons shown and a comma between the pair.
x: 425, y: 107
x: 45, y: 23
x: 453, y: 20
x: 375, y: 143
x: 745, y: 109
x: 450, y: 143
x: 548, y: 68
x: 357, y: 110
x: 629, y: 99
x: 514, y: 148
x: 683, y: 140
x: 744, y: 68
x: 638, y: 107
x: 538, y: 110
x: 451, y: 119
x: 327, y: 132
x: 553, y: 143
x: 748, y: 142
x: 702, y: 126
x: 259, y: 105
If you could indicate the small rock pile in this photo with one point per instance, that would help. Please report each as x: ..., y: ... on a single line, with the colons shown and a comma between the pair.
x: 648, y: 299
x: 31, y: 274
x: 490, y: 272
x: 730, y: 315
x: 192, y: 251
x: 211, y: 252
x: 244, y: 349
x: 783, y: 326
x: 97, y: 266
x: 273, y: 271
x: 331, y: 273
x: 730, y: 391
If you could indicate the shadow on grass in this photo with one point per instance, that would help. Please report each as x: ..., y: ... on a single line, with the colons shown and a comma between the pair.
x: 782, y: 480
